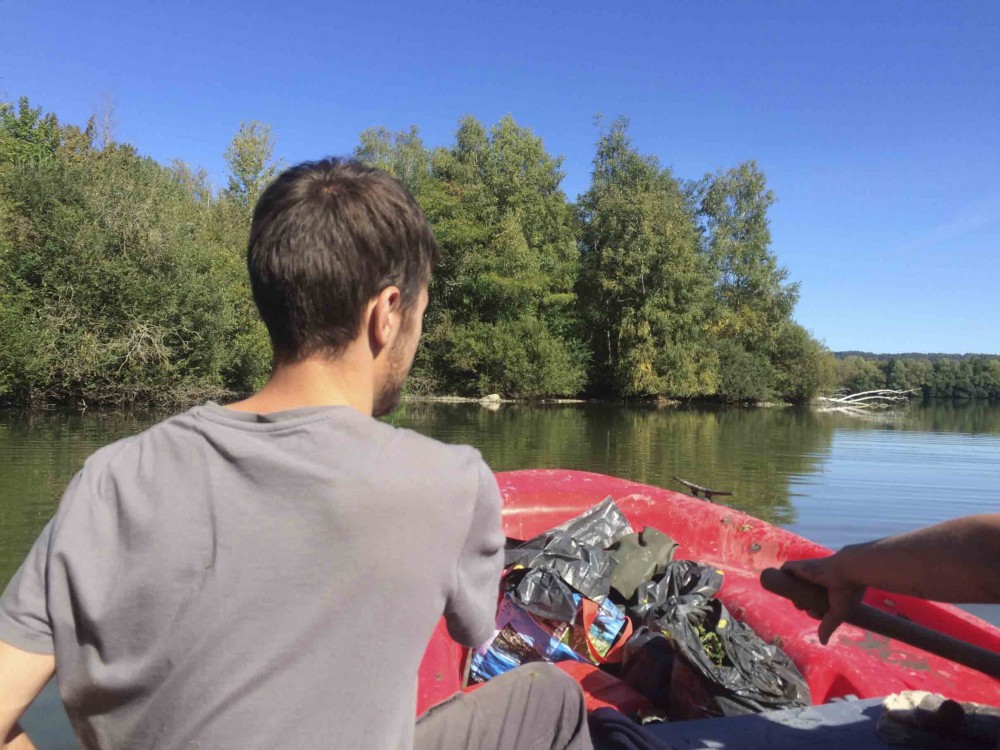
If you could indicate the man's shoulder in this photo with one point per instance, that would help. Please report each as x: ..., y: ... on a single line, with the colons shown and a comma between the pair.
x: 120, y: 464
x: 128, y: 449
x: 415, y: 458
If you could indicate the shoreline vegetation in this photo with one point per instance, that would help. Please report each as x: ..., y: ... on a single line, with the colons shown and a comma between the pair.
x: 123, y: 282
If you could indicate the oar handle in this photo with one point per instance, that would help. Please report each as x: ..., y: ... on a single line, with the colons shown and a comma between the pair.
x: 809, y: 596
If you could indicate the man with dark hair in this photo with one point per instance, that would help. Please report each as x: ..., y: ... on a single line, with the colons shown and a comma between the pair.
x: 267, y: 574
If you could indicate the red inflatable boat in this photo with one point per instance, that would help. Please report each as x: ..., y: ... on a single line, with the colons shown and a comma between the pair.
x: 855, y: 663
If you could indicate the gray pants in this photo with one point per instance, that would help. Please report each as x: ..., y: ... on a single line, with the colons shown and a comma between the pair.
x: 534, y: 707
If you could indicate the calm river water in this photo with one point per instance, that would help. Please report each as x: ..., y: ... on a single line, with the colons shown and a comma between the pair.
x: 833, y: 478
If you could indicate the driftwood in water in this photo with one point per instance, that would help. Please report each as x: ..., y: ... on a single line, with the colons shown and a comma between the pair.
x: 697, y: 490
x: 854, y: 403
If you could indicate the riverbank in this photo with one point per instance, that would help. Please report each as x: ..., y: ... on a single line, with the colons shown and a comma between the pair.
x: 174, y: 400
x: 493, y: 398
x: 658, y: 402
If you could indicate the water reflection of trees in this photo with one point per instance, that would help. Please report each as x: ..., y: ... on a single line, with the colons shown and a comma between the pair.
x: 753, y: 452
x: 760, y: 454
x: 39, y: 453
x: 937, y: 415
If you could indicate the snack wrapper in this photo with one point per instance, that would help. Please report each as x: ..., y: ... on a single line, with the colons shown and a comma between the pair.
x: 521, y: 638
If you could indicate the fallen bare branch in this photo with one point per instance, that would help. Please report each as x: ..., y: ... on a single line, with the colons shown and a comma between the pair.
x: 877, y: 399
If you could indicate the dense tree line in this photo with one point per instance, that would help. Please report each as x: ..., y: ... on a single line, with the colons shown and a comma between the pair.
x: 122, y: 279
x: 928, y: 375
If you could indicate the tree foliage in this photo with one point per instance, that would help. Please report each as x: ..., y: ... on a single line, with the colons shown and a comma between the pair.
x: 250, y: 158
x: 502, y: 311
x: 932, y: 376
x: 113, y: 284
x: 402, y: 154
x: 123, y: 280
x: 645, y: 286
x: 753, y: 298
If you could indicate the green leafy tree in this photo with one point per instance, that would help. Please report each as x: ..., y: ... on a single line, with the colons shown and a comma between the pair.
x: 250, y: 158
x: 906, y: 374
x: 986, y: 377
x: 123, y: 280
x: 26, y: 134
x: 857, y: 374
x: 754, y: 298
x: 194, y: 181
x: 803, y: 366
x: 502, y: 315
x: 744, y: 377
x: 645, y: 287
x: 401, y: 154
x: 962, y: 377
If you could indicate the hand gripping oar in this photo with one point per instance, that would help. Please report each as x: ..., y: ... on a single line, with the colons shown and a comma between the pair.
x: 813, y: 598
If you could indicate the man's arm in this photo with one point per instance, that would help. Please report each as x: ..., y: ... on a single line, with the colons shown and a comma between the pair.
x: 22, y: 677
x: 471, y: 609
x: 955, y: 561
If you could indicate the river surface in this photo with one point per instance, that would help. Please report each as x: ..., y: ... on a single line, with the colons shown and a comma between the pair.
x: 833, y: 478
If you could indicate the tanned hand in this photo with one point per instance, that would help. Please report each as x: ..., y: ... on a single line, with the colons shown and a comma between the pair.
x: 843, y: 594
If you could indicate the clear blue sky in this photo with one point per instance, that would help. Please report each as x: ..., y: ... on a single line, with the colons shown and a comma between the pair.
x: 877, y: 123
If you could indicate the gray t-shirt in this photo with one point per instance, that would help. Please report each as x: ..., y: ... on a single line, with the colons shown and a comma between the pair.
x: 232, y: 580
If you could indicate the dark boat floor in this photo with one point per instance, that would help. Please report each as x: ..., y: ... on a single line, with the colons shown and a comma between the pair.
x: 847, y: 724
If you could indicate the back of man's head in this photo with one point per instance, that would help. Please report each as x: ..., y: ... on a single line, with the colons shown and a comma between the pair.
x: 326, y: 238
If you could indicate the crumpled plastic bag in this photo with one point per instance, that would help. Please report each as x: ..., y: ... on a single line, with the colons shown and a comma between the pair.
x: 599, y: 526
x: 586, y: 568
x: 544, y: 594
x: 684, y: 585
x: 647, y: 665
x: 725, y: 668
x: 575, y: 550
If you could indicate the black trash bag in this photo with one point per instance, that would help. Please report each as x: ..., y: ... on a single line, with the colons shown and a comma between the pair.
x: 639, y: 557
x: 724, y: 668
x: 587, y: 569
x: 647, y: 665
x: 599, y: 526
x: 544, y: 594
x: 685, y: 585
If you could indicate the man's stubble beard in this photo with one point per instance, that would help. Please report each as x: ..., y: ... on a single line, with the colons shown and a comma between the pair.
x: 391, y: 392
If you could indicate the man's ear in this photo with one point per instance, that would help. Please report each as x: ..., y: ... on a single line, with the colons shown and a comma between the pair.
x: 385, y: 316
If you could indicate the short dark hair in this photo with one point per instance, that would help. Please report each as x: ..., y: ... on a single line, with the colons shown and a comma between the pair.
x: 326, y: 237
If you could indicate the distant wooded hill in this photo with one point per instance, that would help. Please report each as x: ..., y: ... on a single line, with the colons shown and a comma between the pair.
x: 932, y: 356
x: 960, y: 376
